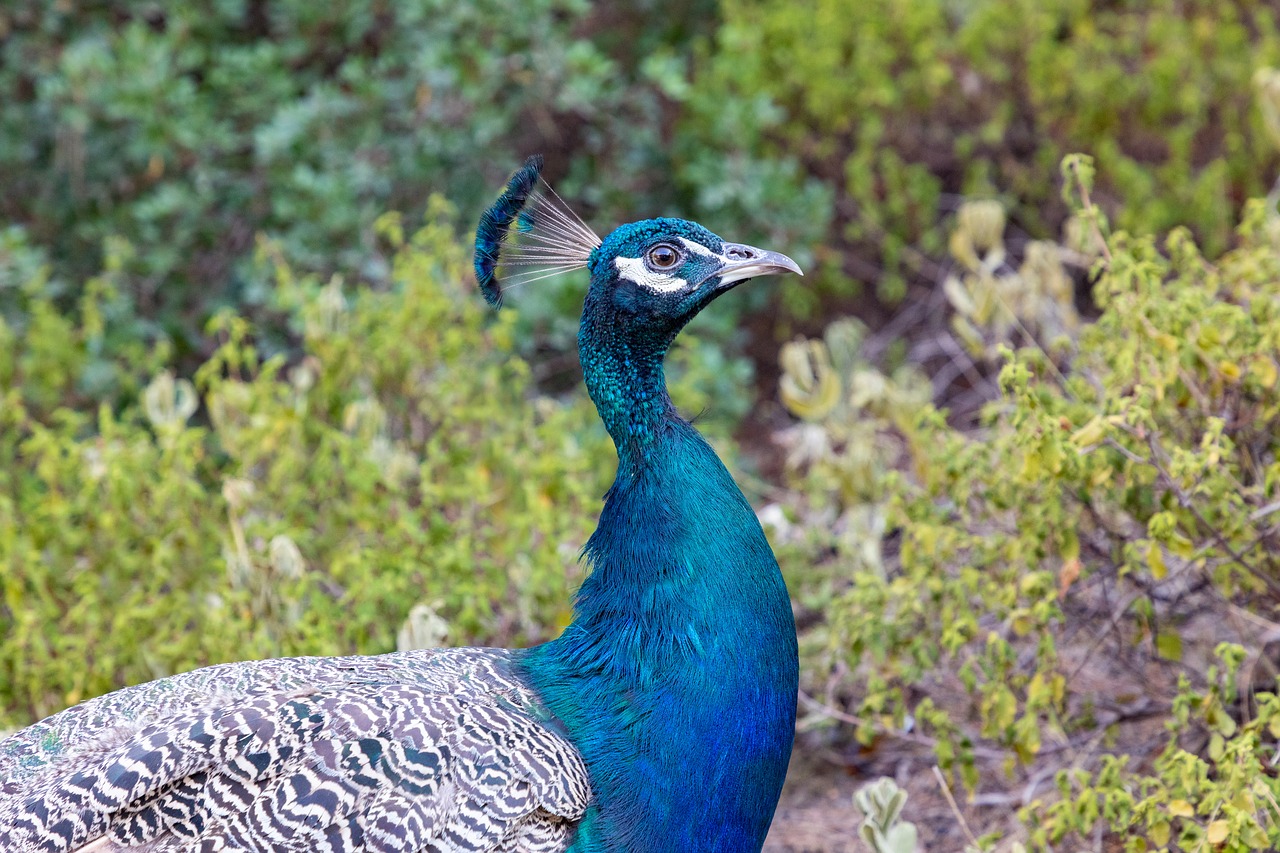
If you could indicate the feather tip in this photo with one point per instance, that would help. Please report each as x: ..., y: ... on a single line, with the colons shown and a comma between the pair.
x: 527, y: 235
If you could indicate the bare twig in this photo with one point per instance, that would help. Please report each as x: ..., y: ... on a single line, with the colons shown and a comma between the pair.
x: 1113, y: 623
x: 955, y: 809
x: 1187, y: 503
x: 1263, y: 512
x: 1126, y: 452
x: 1093, y: 214
x: 1266, y: 792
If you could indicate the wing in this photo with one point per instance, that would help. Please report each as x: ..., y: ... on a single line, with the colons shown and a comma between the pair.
x: 444, y: 750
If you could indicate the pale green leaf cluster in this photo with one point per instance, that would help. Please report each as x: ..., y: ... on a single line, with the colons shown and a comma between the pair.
x: 882, y: 828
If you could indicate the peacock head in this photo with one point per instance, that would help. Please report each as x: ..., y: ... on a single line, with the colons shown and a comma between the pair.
x: 658, y: 273
x: 648, y: 278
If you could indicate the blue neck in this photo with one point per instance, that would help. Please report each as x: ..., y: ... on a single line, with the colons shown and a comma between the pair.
x: 677, y: 677
x: 626, y: 382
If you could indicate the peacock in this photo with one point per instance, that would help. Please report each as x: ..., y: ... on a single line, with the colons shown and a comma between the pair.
x: 661, y: 719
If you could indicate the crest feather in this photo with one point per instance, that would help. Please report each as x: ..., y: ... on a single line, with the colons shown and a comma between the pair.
x: 527, y: 234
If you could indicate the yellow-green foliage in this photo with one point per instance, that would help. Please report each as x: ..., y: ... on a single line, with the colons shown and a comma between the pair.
x: 1144, y: 462
x: 894, y: 105
x: 395, y: 459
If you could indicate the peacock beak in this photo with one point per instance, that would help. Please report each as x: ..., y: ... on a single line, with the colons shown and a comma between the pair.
x: 743, y: 262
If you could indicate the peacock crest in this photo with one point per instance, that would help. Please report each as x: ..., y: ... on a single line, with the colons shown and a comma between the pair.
x: 528, y: 234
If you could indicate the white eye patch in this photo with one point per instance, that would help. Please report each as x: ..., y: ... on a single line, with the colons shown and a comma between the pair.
x: 698, y: 249
x: 634, y: 270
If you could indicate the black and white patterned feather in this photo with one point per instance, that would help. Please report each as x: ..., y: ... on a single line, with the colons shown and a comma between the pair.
x: 441, y: 750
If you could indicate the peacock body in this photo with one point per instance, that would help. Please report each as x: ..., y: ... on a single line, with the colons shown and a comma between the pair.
x: 660, y: 720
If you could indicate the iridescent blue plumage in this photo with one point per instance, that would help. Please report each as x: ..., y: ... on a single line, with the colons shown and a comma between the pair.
x: 677, y: 678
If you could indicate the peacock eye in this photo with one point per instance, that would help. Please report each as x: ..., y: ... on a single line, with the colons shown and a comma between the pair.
x: 663, y: 256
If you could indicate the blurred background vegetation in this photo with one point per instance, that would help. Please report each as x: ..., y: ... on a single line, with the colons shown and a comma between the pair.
x: 1014, y: 438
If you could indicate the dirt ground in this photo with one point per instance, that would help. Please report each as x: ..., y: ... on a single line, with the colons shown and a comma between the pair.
x: 816, y: 814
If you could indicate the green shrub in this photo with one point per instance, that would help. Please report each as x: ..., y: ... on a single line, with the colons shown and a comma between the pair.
x: 187, y: 128
x: 310, y: 507
x: 1113, y: 493
x: 898, y: 109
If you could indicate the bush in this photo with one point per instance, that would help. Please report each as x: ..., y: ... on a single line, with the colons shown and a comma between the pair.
x: 186, y: 129
x: 899, y: 110
x: 1124, y: 495
x: 313, y: 504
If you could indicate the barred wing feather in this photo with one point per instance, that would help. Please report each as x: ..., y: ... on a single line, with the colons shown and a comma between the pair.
x: 442, y: 750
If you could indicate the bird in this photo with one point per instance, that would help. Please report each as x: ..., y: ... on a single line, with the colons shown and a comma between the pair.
x: 661, y: 719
